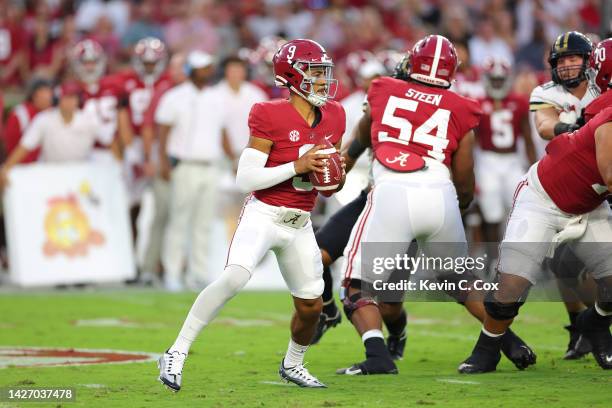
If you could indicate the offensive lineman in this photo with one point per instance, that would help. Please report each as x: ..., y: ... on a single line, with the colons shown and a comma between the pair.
x: 562, y: 199
x: 421, y: 135
x: 286, y: 136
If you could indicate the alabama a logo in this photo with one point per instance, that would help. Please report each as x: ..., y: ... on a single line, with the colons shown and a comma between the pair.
x: 401, y: 159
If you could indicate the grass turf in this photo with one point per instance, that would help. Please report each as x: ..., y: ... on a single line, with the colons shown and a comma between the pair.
x: 235, y: 360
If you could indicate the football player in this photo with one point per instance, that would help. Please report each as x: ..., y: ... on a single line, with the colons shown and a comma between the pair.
x: 556, y: 108
x: 601, y: 63
x: 100, y: 93
x: 422, y: 138
x: 148, y: 74
x: 499, y: 167
x: 286, y: 136
x: 561, y: 199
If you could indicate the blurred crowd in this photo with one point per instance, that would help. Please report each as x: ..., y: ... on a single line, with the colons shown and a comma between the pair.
x: 135, y: 51
x: 36, y: 35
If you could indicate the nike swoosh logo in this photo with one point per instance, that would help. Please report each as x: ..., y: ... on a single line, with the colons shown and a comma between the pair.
x: 609, y: 359
x: 328, y: 137
x: 351, y: 371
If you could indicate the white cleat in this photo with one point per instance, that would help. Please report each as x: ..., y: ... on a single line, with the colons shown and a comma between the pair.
x: 170, y: 366
x: 299, y: 375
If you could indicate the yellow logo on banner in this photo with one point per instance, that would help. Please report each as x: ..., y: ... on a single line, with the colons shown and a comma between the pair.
x: 67, y: 227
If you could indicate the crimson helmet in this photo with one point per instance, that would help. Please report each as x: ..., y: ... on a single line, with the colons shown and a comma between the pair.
x: 293, y: 63
x: 88, y: 61
x: 601, y: 63
x: 497, y: 77
x: 433, y: 61
x: 151, y: 52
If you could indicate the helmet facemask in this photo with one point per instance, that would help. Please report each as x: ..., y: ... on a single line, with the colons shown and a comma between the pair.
x: 317, y: 89
x: 569, y: 83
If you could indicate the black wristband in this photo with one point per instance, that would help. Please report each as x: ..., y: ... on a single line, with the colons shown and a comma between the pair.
x: 564, y: 127
x: 355, y: 149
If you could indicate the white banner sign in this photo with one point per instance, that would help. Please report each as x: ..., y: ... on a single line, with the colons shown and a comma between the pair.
x: 68, y: 223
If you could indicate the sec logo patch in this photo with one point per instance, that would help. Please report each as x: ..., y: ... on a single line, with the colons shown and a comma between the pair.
x: 294, y: 135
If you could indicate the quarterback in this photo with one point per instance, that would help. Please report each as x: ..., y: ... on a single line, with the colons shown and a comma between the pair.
x: 286, y: 136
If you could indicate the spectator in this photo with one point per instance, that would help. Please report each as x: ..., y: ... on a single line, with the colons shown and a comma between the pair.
x: 39, y: 98
x: 190, y: 30
x: 532, y: 54
x: 104, y: 34
x: 141, y: 26
x: 191, y: 129
x: 13, y: 64
x: 90, y: 11
x: 45, y: 54
x: 63, y: 134
x: 487, y: 44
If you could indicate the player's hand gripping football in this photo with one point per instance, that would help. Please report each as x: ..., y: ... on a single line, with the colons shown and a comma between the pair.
x: 311, y: 161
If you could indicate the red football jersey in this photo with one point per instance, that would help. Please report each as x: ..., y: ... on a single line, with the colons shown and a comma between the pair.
x: 17, y: 122
x: 499, y: 129
x: 597, y: 105
x: 137, y: 96
x: 419, y: 119
x: 568, y: 172
x: 279, y: 122
x: 103, y: 98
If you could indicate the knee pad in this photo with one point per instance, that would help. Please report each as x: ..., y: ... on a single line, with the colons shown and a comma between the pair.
x: 234, y: 278
x: 356, y: 300
x: 501, y: 311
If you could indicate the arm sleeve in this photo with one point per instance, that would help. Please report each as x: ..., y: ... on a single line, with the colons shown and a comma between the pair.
x: 252, y: 174
x: 34, y: 134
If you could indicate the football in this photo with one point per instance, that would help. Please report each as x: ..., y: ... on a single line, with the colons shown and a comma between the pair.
x: 328, y: 182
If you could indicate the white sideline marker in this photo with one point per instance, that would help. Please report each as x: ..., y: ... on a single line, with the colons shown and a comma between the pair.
x: 453, y: 381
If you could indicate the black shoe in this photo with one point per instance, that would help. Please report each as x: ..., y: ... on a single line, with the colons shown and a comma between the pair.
x: 480, y: 361
x: 599, y: 336
x: 517, y: 351
x: 396, y: 345
x: 326, y: 323
x: 578, y: 346
x: 485, y: 356
x: 371, y: 366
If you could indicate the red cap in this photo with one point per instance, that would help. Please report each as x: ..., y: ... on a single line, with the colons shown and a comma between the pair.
x: 69, y: 88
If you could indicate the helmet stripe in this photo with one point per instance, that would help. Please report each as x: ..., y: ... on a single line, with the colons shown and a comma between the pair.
x: 436, y: 61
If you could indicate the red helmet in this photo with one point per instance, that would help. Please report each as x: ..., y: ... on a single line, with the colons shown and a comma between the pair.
x: 88, y: 61
x: 149, y: 50
x: 601, y: 62
x: 433, y: 61
x: 293, y: 63
x: 497, y: 77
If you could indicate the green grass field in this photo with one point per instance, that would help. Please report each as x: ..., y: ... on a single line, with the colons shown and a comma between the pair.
x: 234, y: 362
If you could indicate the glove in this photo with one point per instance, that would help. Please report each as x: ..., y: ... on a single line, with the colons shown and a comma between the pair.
x: 565, y: 127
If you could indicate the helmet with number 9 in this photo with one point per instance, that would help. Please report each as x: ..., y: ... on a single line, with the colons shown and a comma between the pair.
x: 149, y: 58
x: 88, y: 61
x: 433, y: 61
x: 293, y: 64
x: 601, y: 63
x: 497, y: 77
